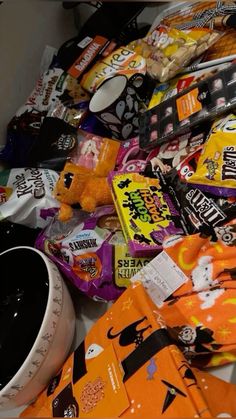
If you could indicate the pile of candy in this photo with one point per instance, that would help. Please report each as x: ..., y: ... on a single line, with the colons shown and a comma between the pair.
x: 121, y: 168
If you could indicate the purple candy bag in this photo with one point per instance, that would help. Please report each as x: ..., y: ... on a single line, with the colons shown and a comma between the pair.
x: 83, y: 251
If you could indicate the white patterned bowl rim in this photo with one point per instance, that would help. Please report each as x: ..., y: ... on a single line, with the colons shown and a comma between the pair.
x: 42, y: 344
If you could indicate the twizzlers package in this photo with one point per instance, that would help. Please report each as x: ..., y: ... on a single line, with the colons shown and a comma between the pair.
x: 83, y: 250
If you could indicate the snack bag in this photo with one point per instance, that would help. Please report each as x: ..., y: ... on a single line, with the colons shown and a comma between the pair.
x: 90, y: 250
x: 96, y: 153
x: 167, y: 50
x: 146, y: 213
x: 200, y: 103
x: 26, y: 196
x: 128, y: 350
x: 130, y: 158
x: 171, y: 154
x: 120, y: 61
x: 59, y: 142
x: 125, y: 266
x: 216, y: 169
x: 55, y: 93
x: 174, y: 86
x: 198, y: 211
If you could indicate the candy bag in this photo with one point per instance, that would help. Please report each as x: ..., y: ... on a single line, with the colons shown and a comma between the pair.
x: 146, y: 212
x: 216, y: 169
x: 170, y: 154
x: 26, y: 196
x: 55, y: 93
x: 120, y: 61
x: 90, y: 250
x: 60, y: 142
x: 127, y: 355
x: 199, y: 210
x: 96, y: 153
x: 130, y: 158
x: 174, y: 86
x: 168, y: 50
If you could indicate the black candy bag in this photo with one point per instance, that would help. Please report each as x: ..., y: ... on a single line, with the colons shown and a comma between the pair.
x: 13, y: 235
x: 56, y: 141
x: 55, y: 93
x: 199, y: 210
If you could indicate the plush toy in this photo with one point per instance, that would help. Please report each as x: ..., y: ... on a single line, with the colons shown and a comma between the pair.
x: 78, y: 184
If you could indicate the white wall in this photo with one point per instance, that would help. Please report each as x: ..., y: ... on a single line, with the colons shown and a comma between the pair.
x: 25, y: 28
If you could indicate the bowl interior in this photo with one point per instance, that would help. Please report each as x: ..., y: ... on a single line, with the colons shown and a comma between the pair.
x: 24, y: 289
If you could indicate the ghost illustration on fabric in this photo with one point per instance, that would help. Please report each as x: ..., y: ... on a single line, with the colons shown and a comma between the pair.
x: 108, y: 117
x: 135, y: 122
x: 93, y: 350
x: 136, y: 106
x: 128, y: 115
x: 202, y: 274
x: 126, y: 131
x: 120, y: 108
x: 208, y: 297
x: 131, y: 91
x: 113, y: 128
x: 130, y: 102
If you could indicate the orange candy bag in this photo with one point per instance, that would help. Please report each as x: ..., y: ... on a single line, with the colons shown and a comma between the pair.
x: 128, y: 366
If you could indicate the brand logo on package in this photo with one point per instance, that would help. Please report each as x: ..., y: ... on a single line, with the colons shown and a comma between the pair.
x: 32, y: 184
x: 87, y: 56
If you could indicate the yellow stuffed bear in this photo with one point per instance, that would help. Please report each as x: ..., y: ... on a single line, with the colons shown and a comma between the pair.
x: 78, y: 184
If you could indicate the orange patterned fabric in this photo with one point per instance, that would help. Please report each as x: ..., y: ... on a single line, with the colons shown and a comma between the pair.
x: 201, y: 314
x: 156, y: 380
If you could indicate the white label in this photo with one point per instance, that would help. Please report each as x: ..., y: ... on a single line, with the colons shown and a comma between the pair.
x: 85, y: 42
x: 161, y: 277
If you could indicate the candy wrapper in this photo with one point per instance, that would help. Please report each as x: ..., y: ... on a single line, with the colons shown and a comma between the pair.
x: 96, y: 153
x: 203, y: 102
x: 56, y: 93
x: 146, y: 213
x: 199, y: 211
x: 171, y: 154
x: 172, y: 87
x: 168, y: 50
x: 130, y: 158
x: 129, y: 354
x: 120, y: 61
x: 26, y: 196
x: 90, y: 251
x: 59, y: 142
x: 216, y: 169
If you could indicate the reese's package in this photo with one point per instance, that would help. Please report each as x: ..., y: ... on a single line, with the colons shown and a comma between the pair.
x: 91, y: 252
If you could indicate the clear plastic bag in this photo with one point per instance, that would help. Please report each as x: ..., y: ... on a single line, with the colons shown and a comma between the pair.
x: 168, y: 50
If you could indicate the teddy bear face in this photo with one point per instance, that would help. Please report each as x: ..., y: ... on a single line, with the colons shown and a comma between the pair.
x: 69, y: 187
